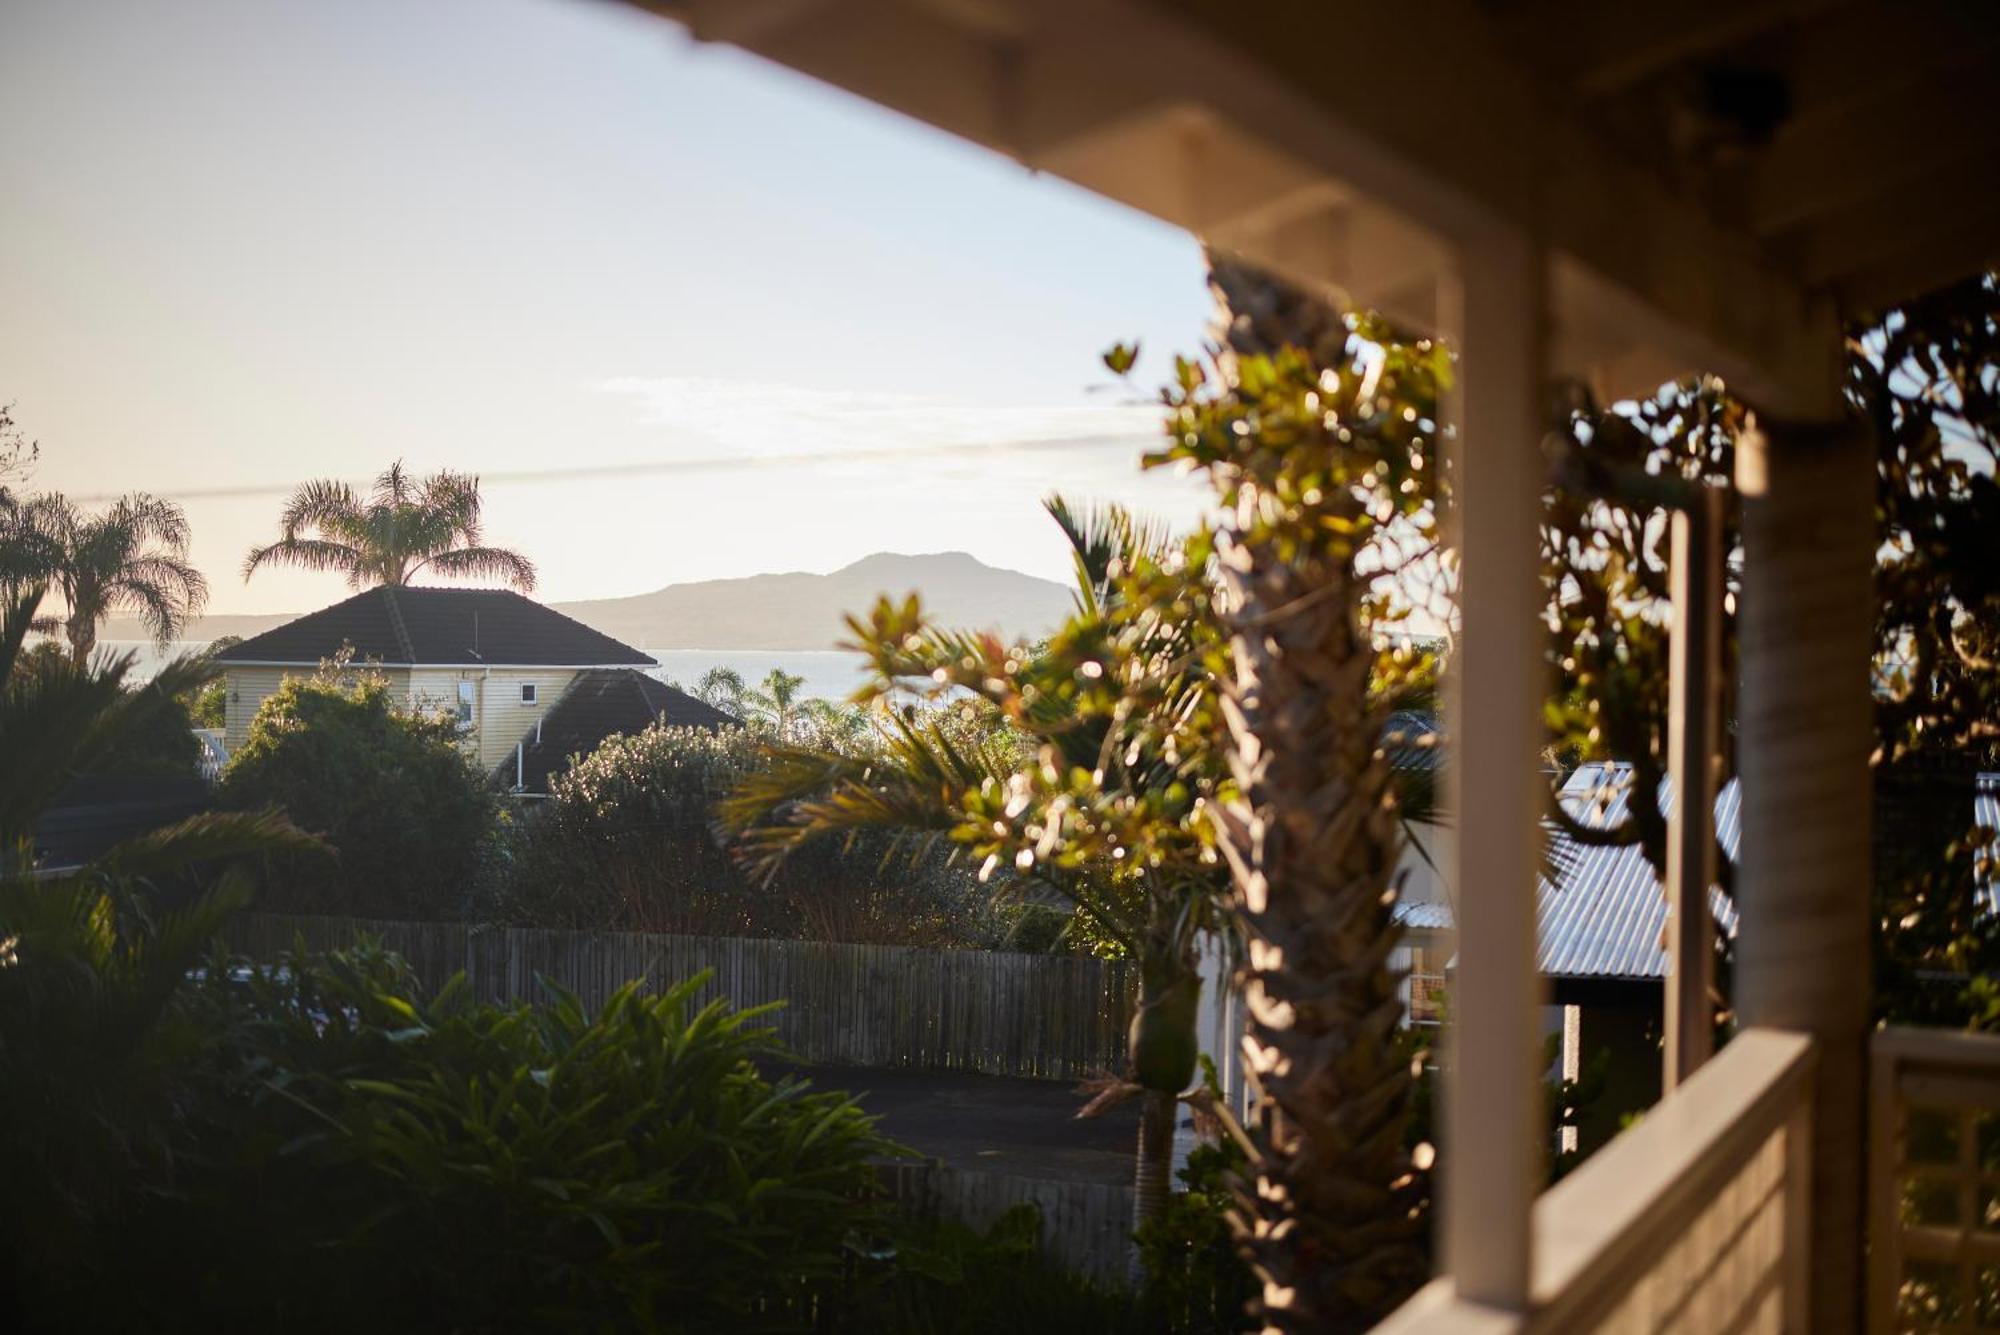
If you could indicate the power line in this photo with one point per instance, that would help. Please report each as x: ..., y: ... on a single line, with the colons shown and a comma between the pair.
x: 746, y: 462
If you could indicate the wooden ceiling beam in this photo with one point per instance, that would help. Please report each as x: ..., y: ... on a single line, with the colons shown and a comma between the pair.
x: 1929, y: 262
x: 1839, y: 161
x: 1849, y: 55
x: 1599, y: 49
x: 1885, y: 224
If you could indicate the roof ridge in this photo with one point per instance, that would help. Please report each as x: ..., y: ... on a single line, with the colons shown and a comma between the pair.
x: 402, y: 631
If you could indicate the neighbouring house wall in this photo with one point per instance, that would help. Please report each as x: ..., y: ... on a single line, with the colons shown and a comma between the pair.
x: 1429, y: 847
x: 499, y: 718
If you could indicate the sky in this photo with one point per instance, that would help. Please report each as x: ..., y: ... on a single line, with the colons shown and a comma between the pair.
x: 248, y: 242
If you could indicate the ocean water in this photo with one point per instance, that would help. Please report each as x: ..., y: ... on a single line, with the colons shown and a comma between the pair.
x: 830, y: 674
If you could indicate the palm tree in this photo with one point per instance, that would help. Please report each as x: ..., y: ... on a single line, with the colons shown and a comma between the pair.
x: 399, y: 530
x: 1326, y: 468
x: 131, y: 558
x: 775, y: 699
x: 722, y: 688
x: 1091, y: 794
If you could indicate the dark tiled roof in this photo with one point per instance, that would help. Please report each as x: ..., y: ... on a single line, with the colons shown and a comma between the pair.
x: 444, y: 627
x: 598, y: 705
x: 96, y: 811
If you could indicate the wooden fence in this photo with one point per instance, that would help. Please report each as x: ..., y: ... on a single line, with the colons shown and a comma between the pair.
x: 1087, y: 1226
x: 1057, y: 1017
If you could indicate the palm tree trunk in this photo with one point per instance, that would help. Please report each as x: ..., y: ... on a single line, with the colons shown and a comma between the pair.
x: 1153, y: 1169
x: 81, y: 630
x: 1335, y: 1219
x: 1164, y: 1048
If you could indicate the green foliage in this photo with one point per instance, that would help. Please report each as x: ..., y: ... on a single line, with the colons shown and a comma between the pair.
x: 208, y: 707
x: 477, y: 1167
x: 92, y: 962
x: 163, y: 744
x: 314, y: 1147
x: 628, y: 841
x: 60, y: 718
x: 943, y: 1278
x: 1604, y: 575
x: 1920, y: 381
x: 1195, y: 1281
x: 409, y: 817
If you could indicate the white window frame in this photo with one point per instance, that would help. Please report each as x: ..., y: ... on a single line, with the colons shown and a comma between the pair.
x: 529, y: 693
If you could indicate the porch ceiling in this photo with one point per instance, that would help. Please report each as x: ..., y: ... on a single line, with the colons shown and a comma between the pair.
x: 1715, y: 180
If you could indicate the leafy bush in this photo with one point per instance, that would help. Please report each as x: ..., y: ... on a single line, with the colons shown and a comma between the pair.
x: 371, y: 1160
x: 407, y: 813
x: 1195, y: 1281
x: 628, y: 841
x: 944, y: 1278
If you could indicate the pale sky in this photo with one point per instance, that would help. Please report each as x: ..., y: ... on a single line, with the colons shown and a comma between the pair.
x: 247, y: 242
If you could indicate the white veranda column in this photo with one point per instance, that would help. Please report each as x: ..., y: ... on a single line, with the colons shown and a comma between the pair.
x: 1494, y: 1126
x: 1804, y: 734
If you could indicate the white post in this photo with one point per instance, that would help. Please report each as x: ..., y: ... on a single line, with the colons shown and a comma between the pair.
x: 1694, y: 677
x: 1804, y: 734
x: 1494, y: 1127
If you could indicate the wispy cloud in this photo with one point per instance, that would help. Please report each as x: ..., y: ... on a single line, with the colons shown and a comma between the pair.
x: 754, y: 417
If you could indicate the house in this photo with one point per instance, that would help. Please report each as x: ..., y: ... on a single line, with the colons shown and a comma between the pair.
x: 499, y: 661
x: 600, y: 703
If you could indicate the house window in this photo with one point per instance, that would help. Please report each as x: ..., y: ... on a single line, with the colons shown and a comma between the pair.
x: 527, y: 692
x: 465, y: 704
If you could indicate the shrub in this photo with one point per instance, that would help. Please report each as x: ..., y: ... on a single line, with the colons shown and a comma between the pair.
x: 943, y: 1278
x: 409, y: 817
x: 628, y: 841
x: 378, y: 1161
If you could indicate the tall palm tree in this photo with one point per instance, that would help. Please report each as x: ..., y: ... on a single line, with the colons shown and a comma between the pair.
x: 400, y: 529
x: 131, y: 558
x: 1326, y: 464
x: 1086, y: 798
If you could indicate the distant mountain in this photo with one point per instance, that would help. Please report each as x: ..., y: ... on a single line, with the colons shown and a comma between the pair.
x: 801, y: 611
x: 116, y: 629
x: 792, y: 611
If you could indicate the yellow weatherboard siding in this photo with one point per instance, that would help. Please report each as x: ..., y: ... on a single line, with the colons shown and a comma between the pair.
x: 499, y: 718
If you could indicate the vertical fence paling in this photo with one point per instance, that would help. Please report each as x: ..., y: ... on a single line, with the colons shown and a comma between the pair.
x: 1060, y: 1017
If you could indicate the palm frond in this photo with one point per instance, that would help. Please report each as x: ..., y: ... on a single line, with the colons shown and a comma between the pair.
x: 911, y: 791
x: 314, y: 554
x: 320, y: 503
x: 209, y: 836
x: 483, y: 562
x: 1105, y: 541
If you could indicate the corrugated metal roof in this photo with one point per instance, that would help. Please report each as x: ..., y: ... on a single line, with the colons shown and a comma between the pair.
x: 1424, y: 917
x: 1608, y: 916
